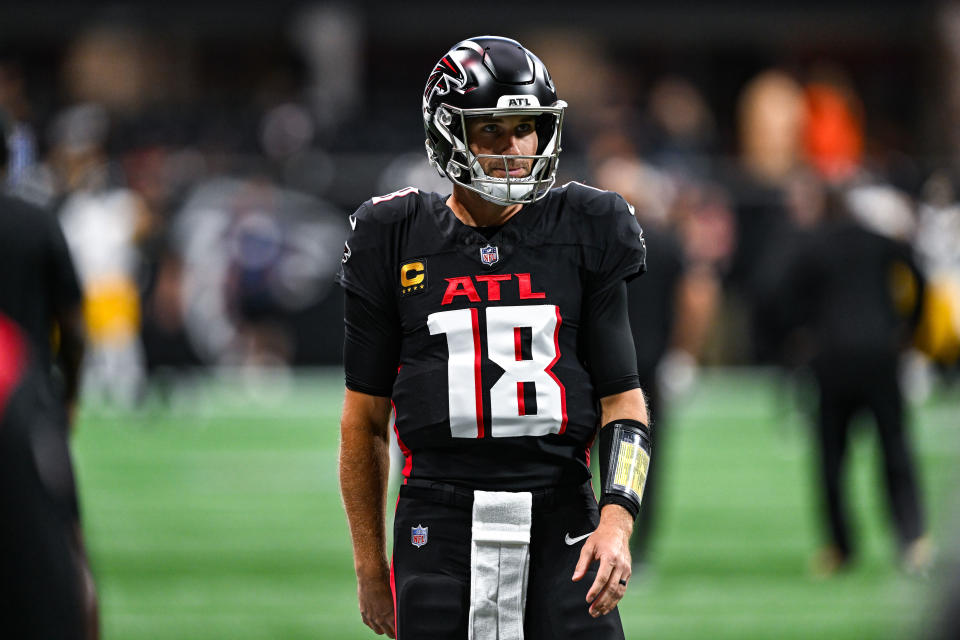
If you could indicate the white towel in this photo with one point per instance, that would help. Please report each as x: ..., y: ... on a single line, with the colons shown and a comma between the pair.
x: 499, y: 564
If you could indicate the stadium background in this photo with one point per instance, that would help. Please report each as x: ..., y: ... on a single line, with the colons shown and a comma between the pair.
x: 230, y: 141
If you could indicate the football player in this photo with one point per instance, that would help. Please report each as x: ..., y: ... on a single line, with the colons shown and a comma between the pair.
x: 493, y: 321
x: 45, y: 583
x: 40, y: 296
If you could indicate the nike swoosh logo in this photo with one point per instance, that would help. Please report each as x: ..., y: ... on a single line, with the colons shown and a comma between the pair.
x: 572, y: 541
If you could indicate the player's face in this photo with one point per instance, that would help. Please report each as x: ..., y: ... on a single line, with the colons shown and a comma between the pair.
x: 504, y: 136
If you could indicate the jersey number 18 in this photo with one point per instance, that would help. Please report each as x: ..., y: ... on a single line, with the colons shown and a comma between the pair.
x: 523, y: 341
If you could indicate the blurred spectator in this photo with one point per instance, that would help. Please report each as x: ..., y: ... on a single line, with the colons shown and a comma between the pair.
x: 46, y: 589
x: 579, y: 64
x: 771, y: 120
x: 118, y: 67
x: 854, y: 286
x: 103, y: 224
x: 671, y: 308
x: 253, y: 256
x: 705, y: 224
x: 938, y: 246
x: 39, y: 290
x: 683, y: 128
x: 805, y: 195
x: 833, y: 136
x: 15, y: 106
x: 169, y: 353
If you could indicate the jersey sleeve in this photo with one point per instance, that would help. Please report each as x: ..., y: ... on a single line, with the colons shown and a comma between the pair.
x: 610, y: 351
x: 615, y: 249
x: 371, y: 323
x: 363, y: 268
x: 371, y: 347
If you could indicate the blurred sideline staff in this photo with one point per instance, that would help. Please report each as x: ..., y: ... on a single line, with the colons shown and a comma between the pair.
x: 855, y: 288
x: 39, y: 289
x: 651, y: 306
x: 45, y: 589
x: 40, y: 292
x: 670, y: 311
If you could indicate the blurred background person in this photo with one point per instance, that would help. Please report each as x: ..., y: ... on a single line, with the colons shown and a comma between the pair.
x: 40, y: 290
x: 254, y: 256
x: 771, y: 116
x: 14, y: 101
x: 670, y: 313
x: 46, y: 590
x: 854, y: 286
x: 103, y: 223
x: 937, y: 241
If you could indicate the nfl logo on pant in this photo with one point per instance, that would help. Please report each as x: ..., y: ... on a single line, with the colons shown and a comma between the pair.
x: 418, y: 535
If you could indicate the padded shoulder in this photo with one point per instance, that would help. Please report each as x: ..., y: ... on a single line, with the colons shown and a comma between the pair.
x: 366, y: 253
x: 593, y: 201
x: 608, y: 230
x: 392, y: 206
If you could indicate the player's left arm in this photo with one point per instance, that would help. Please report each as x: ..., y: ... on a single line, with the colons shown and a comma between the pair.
x: 612, y: 359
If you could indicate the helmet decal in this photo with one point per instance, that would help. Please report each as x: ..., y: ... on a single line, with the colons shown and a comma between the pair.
x: 447, y: 75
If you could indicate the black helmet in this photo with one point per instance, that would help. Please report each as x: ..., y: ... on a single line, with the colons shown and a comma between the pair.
x: 495, y: 76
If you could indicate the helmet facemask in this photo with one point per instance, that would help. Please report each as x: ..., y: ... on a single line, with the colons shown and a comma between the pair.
x: 463, y: 166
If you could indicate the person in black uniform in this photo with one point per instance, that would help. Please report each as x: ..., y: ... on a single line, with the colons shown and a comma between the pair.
x: 42, y: 582
x: 839, y: 284
x: 494, y: 320
x: 40, y: 292
x: 652, y: 304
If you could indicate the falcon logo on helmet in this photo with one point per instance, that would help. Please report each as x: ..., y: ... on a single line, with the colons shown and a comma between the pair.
x: 491, y: 77
x: 447, y: 75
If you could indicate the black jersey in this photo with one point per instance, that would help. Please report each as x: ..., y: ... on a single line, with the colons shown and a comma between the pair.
x: 493, y: 389
x: 37, y: 279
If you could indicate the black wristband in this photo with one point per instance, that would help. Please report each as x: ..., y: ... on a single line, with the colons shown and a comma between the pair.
x: 613, y: 498
x: 625, y: 449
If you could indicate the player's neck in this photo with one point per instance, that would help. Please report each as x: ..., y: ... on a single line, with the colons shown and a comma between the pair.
x: 473, y: 211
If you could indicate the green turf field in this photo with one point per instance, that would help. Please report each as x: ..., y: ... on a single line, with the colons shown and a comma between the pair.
x: 218, y: 516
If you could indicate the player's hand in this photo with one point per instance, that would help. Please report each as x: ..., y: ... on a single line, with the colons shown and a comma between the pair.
x: 376, y: 601
x: 610, y: 544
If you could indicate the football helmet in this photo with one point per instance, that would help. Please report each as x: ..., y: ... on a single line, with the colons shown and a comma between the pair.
x: 491, y: 76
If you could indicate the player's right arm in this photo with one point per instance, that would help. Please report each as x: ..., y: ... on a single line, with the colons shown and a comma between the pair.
x: 364, y: 469
x: 371, y: 353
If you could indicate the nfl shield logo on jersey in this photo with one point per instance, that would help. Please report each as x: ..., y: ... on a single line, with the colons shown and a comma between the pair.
x: 418, y: 535
x: 489, y: 255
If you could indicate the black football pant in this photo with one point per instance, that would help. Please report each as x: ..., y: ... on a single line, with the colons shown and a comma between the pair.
x: 432, y: 582
x: 40, y: 584
x: 846, y: 386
